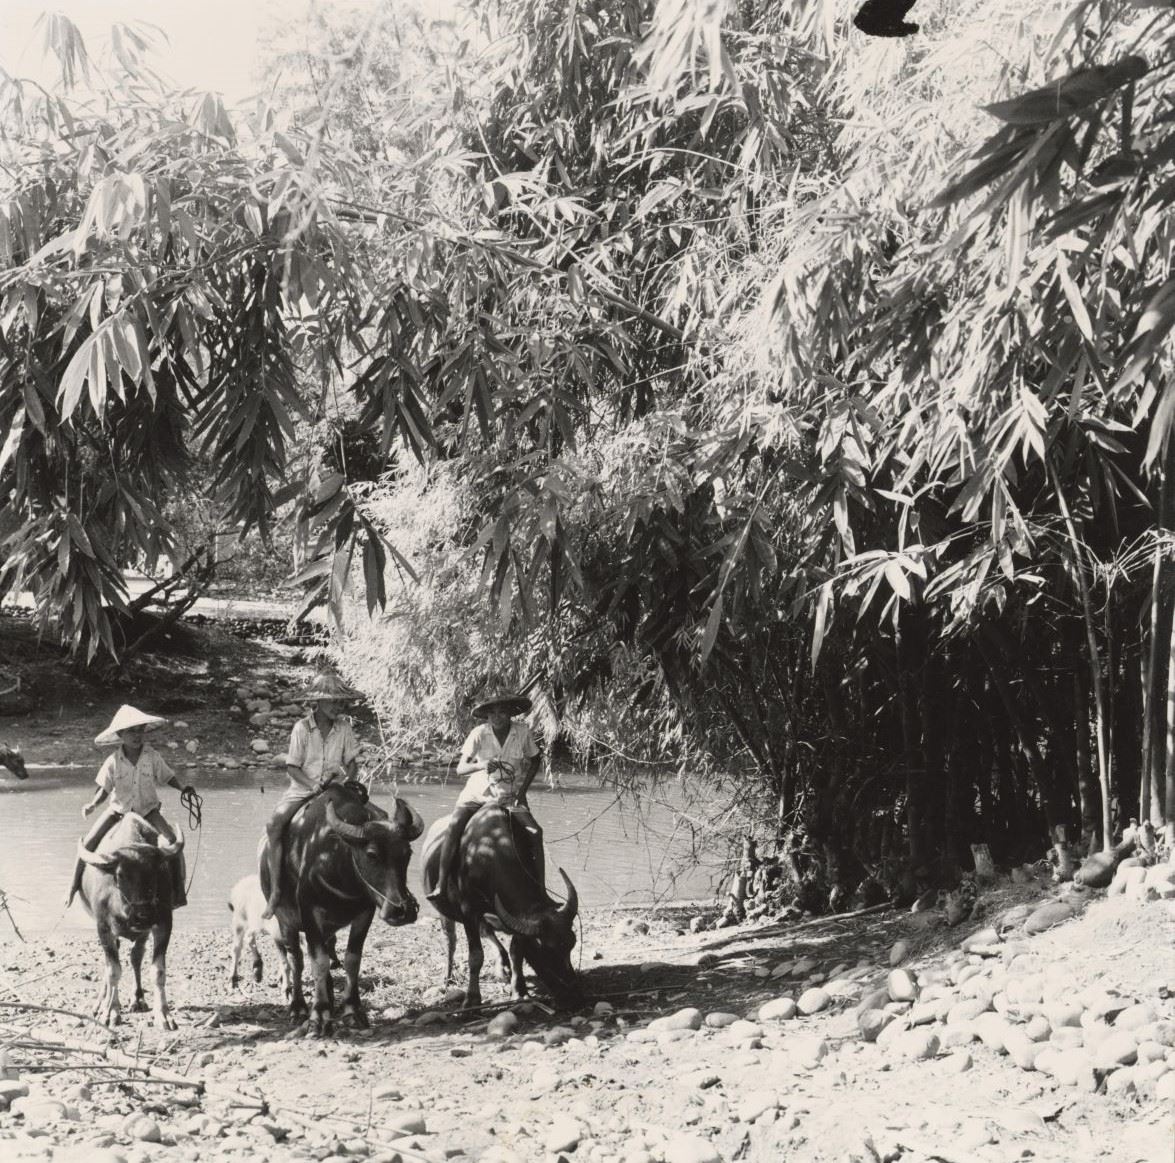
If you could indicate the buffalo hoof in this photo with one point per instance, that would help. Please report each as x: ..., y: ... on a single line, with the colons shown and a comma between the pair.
x: 235, y: 981
x: 140, y: 1006
x: 319, y: 1027
x: 356, y: 1018
x: 298, y: 1015
x: 258, y: 971
x: 472, y: 1001
x: 164, y: 1021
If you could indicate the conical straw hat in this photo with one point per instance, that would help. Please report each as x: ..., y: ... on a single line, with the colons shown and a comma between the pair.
x: 512, y: 704
x: 124, y: 718
x: 329, y: 686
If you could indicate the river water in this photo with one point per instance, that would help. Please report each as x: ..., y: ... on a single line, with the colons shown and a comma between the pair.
x: 615, y: 854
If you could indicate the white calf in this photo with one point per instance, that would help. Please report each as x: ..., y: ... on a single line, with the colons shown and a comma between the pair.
x: 247, y: 903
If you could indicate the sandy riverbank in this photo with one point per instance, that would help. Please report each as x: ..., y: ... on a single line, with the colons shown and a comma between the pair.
x: 429, y: 1082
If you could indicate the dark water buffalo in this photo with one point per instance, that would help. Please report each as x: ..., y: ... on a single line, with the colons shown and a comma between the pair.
x: 126, y: 887
x: 498, y: 884
x: 343, y: 861
x: 11, y: 758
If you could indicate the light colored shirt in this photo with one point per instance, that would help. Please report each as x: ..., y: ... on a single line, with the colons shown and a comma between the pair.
x: 482, y: 744
x: 315, y: 753
x: 131, y: 786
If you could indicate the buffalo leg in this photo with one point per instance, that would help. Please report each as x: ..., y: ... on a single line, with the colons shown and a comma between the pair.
x: 137, y: 949
x: 258, y: 964
x: 519, y: 966
x: 502, y: 954
x: 109, y: 1010
x: 160, y: 939
x: 291, y: 947
x: 321, y: 1013
x: 450, y: 930
x: 476, y: 960
x: 238, y: 942
x: 352, y: 1007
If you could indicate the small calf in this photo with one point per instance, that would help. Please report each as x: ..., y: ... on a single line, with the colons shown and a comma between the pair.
x: 247, y: 903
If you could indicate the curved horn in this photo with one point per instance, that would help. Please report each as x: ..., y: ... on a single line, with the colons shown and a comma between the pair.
x: 171, y: 849
x: 105, y: 861
x: 415, y: 824
x: 347, y: 831
x: 526, y: 926
x: 567, y: 910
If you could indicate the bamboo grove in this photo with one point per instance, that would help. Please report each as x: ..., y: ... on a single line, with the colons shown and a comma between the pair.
x: 802, y: 402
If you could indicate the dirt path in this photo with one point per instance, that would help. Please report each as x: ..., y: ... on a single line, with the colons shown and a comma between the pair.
x: 428, y: 1082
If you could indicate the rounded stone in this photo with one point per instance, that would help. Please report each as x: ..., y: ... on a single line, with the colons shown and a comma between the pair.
x: 778, y: 1009
x: 812, y: 1001
x: 563, y: 1134
x: 901, y: 986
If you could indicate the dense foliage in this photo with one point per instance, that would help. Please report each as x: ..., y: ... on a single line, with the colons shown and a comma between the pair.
x: 789, y: 416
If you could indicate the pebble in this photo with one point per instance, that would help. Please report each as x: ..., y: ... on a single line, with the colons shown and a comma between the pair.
x: 916, y: 1045
x: 690, y: 1149
x: 812, y: 1001
x: 901, y: 986
x: 1038, y: 1028
x: 1047, y: 915
x: 1118, y: 1049
x: 1021, y: 1048
x: 755, y: 1104
x: 992, y: 1031
x: 980, y: 939
x: 968, y: 1010
x: 809, y: 1052
x: 404, y: 1122
x: 1135, y: 1016
x: 563, y: 1134
x: 719, y: 1020
x: 502, y: 1025
x: 957, y: 1062
x: 741, y: 1030
x: 143, y: 1128
x: 686, y: 1019
x: 871, y: 1022
x: 898, y: 953
x: 777, y: 1009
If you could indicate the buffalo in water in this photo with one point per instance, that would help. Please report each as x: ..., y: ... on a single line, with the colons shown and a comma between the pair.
x: 343, y: 861
x: 498, y: 884
x: 127, y: 888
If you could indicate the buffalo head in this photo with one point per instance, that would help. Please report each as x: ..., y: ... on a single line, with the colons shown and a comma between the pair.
x: 142, y: 878
x: 547, y: 937
x: 380, y: 850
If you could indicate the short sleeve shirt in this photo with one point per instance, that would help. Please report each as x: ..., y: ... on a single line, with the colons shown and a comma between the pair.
x: 315, y: 753
x: 132, y: 786
x: 482, y: 743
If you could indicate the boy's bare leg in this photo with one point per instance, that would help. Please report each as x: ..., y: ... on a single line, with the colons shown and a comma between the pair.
x: 275, y: 833
x: 92, y: 839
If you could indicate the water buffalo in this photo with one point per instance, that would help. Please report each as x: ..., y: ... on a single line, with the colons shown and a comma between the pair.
x: 127, y: 888
x: 498, y: 882
x: 11, y: 758
x: 343, y: 861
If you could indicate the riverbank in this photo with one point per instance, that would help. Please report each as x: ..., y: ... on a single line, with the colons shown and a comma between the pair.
x: 689, y: 1055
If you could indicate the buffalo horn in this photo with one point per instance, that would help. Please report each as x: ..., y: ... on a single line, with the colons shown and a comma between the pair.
x: 568, y: 909
x: 416, y: 824
x: 171, y: 849
x: 105, y: 861
x: 526, y: 926
x: 347, y: 831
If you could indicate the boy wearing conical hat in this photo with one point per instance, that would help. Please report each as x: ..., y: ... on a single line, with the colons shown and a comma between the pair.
x: 322, y: 747
x: 500, y: 757
x: 130, y: 778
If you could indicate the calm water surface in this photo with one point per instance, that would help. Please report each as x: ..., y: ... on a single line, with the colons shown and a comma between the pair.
x: 613, y: 853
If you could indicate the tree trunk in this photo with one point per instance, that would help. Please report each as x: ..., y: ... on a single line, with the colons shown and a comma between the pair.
x: 911, y: 756
x: 1087, y: 788
x: 1101, y: 719
x: 1169, y: 741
